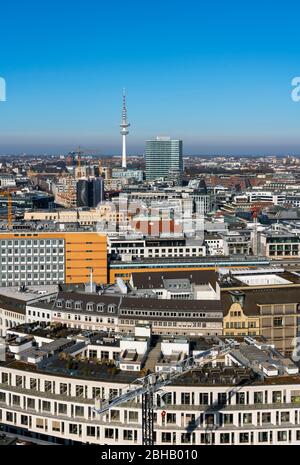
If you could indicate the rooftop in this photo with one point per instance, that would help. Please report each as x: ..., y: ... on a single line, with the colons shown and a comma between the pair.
x: 28, y: 293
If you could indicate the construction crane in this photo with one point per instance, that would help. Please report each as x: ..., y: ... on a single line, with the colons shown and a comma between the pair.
x: 9, y: 207
x: 80, y: 151
x: 153, y: 383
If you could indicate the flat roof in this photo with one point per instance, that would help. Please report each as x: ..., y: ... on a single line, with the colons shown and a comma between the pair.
x: 30, y: 293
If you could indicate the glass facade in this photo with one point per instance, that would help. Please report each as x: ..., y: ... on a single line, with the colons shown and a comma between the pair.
x: 164, y: 159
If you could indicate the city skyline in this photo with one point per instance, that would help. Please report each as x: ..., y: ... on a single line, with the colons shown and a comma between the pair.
x: 221, y: 84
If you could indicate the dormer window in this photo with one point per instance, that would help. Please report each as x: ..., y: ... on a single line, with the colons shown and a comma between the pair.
x: 59, y: 303
x: 69, y: 303
x: 90, y: 306
x: 111, y: 308
x: 78, y: 305
x: 100, y: 307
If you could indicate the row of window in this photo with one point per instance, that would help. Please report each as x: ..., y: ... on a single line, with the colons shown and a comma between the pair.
x: 90, y: 306
x: 171, y: 398
x: 30, y: 242
x: 171, y: 314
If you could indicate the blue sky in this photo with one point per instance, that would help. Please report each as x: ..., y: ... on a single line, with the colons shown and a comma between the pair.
x: 216, y: 74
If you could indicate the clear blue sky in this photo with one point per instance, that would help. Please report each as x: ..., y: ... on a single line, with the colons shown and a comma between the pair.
x: 216, y: 74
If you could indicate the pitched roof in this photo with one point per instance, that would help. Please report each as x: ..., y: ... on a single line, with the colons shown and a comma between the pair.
x: 256, y: 297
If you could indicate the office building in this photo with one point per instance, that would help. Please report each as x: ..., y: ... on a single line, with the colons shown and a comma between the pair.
x: 90, y: 192
x: 250, y: 397
x: 164, y: 159
x: 51, y: 258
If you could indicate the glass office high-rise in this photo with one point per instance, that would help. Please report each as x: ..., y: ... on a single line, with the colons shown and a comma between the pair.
x: 164, y: 159
x: 90, y: 192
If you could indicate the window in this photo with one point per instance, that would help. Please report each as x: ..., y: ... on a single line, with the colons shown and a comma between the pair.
x: 185, y: 398
x: 266, y: 417
x: 24, y: 420
x: 247, y: 418
x: 109, y: 433
x: 63, y: 389
x: 171, y: 418
x: 129, y: 435
x: 166, y: 437
x: 73, y: 428
x: 79, y: 411
x: 133, y: 417
x: 224, y: 438
x: 187, y: 438
x: 240, y: 398
x: 46, y: 406
x: 19, y: 381
x: 276, y: 397
x: 48, y: 386
x: 39, y: 423
x: 277, y: 322
x: 244, y: 437
x: 55, y: 425
x: 91, y: 431
x: 263, y: 436
x: 9, y: 416
x: 30, y: 403
x: 282, y: 435
x: 62, y: 409
x: 16, y: 400
x: 222, y: 398
x: 295, y: 396
x: 79, y: 391
x: 115, y: 415
x: 258, y: 397
x: 285, y: 417
x: 228, y: 418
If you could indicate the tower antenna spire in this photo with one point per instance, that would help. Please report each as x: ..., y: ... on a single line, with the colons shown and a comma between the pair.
x: 124, y: 130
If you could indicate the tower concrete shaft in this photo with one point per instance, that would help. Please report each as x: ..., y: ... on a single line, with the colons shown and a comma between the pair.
x: 124, y: 131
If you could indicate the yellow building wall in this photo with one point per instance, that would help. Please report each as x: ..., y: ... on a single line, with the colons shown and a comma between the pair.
x: 236, y: 323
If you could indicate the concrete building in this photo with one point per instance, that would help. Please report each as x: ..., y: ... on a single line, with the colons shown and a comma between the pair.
x: 130, y: 248
x: 39, y: 258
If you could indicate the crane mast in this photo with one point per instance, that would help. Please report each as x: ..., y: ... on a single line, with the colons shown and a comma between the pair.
x: 147, y: 386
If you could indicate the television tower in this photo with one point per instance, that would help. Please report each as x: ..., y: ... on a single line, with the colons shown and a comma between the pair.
x: 124, y: 131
